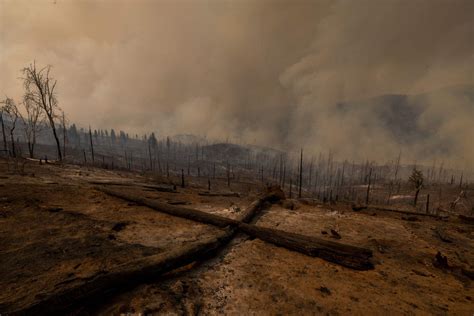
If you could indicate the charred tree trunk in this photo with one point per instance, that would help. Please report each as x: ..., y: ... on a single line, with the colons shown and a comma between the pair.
x: 367, y: 198
x: 12, y: 140
x: 150, y: 157
x: 428, y: 204
x: 415, y: 201
x: 92, y: 145
x: 348, y: 256
x: 284, y: 176
x: 30, y: 149
x: 64, y: 135
x: 132, y: 274
x: 301, y: 174
x: 228, y: 175
x: 345, y: 255
x: 5, y: 146
x: 123, y: 277
x: 56, y: 138
x: 291, y: 185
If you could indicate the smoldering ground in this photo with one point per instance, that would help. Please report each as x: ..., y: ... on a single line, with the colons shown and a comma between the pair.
x: 275, y: 73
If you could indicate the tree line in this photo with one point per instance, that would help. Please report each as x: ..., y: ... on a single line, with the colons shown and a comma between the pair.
x: 38, y: 109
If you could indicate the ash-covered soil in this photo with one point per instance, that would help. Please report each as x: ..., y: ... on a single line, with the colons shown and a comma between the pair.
x: 57, y: 230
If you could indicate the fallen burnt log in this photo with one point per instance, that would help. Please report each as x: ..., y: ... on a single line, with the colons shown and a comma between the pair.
x: 386, y: 209
x: 178, y: 202
x: 345, y: 255
x: 188, y: 213
x: 112, y: 182
x: 92, y: 290
x: 348, y: 256
x: 224, y: 194
x: 467, y: 219
x: 160, y: 188
x: 357, y: 208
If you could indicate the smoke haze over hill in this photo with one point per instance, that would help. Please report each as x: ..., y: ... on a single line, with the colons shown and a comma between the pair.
x: 364, y: 79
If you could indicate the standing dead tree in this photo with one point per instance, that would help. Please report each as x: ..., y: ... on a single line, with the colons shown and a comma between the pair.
x: 367, y: 197
x: 152, y: 145
x: 65, y: 138
x: 32, y: 121
x: 301, y: 174
x: 91, y: 144
x: 40, y: 89
x: 416, y: 178
x: 4, y: 135
x: 9, y: 107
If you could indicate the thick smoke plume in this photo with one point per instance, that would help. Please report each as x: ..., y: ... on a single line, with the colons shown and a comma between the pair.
x: 275, y: 73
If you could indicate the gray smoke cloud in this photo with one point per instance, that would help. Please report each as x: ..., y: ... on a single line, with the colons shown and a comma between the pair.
x: 275, y: 73
x: 368, y: 48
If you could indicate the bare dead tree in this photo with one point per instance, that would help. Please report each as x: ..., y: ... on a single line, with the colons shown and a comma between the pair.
x: 9, y: 107
x: 301, y: 174
x: 416, y: 178
x: 41, y: 89
x: 152, y: 144
x: 284, y: 175
x: 91, y: 144
x: 367, y: 197
x: 291, y: 185
x: 428, y: 203
x: 167, y: 157
x: 32, y: 120
x: 4, y: 135
x: 310, y: 172
x: 63, y: 121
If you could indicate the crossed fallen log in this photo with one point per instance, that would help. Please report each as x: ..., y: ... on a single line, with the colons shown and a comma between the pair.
x: 349, y: 256
x: 91, y: 290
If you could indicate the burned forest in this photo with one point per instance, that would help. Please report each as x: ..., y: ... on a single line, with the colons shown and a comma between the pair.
x: 236, y: 158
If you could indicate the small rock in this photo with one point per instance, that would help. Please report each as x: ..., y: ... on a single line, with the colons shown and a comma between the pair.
x: 120, y: 226
x: 54, y: 209
x: 440, y: 261
x: 325, y: 290
x: 335, y: 234
x: 357, y: 208
x: 410, y: 218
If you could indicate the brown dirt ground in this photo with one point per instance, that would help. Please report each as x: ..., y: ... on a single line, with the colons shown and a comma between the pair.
x: 57, y: 230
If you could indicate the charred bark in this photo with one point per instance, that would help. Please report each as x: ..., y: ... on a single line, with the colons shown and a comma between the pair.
x: 345, y: 255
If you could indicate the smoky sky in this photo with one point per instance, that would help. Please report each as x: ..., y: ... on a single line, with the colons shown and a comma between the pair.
x: 256, y: 71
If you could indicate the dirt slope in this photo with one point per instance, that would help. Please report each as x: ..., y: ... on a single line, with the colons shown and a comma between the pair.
x: 56, y: 230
